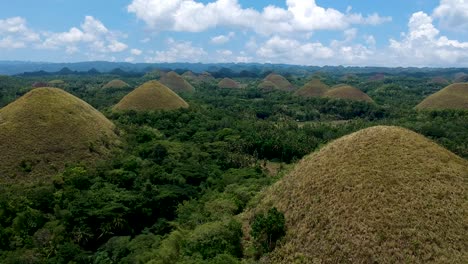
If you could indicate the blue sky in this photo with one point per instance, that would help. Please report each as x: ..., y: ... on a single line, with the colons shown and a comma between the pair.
x: 307, y: 32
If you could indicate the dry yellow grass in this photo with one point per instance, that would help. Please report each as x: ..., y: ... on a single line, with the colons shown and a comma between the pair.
x: 280, y: 82
x: 380, y: 195
x: 228, y: 83
x: 313, y: 88
x: 45, y: 129
x: 150, y: 96
x: 116, y: 84
x: 176, y: 83
x: 454, y: 96
x: 348, y: 92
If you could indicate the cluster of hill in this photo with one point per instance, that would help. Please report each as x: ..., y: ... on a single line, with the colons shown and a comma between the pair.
x: 202, y: 167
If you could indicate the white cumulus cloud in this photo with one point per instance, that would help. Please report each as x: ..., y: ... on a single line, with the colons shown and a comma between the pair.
x: 193, y: 16
x: 178, y: 51
x: 423, y: 45
x: 221, y: 39
x: 92, y: 32
x: 15, y: 34
x: 453, y: 14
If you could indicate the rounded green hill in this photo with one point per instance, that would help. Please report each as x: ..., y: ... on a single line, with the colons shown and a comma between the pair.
x: 380, y: 195
x: 280, y: 82
x: 314, y: 88
x: 228, y: 83
x: 48, y: 128
x: 348, y: 93
x: 176, y: 83
x: 454, y: 96
x: 267, y: 86
x: 151, y: 96
x: 116, y: 84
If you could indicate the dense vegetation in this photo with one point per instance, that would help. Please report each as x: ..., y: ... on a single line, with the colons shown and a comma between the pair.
x: 174, y: 190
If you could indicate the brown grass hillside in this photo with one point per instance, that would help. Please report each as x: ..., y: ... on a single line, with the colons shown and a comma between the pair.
x: 380, y: 195
x: 45, y: 129
x: 454, y: 96
x: 349, y: 93
x: 280, y: 82
x: 313, y: 88
x: 176, y: 83
x: 228, y: 83
x: 116, y: 84
x: 150, y: 96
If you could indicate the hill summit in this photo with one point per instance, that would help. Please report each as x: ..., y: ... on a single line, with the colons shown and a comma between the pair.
x: 348, y: 92
x: 176, y: 83
x: 150, y: 96
x: 454, y: 96
x: 380, y: 195
x: 314, y: 88
x: 48, y: 128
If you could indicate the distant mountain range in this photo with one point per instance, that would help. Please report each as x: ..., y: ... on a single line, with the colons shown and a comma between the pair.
x: 224, y: 69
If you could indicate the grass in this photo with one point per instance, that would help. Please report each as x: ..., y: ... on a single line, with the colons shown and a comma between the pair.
x: 228, y: 83
x: 47, y: 128
x: 150, y: 96
x: 314, y: 88
x: 280, y: 82
x: 176, y: 83
x: 454, y: 96
x: 116, y: 84
x: 348, y: 92
x: 380, y: 195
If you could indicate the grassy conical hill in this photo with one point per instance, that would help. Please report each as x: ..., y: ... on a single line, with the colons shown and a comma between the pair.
x: 349, y: 93
x: 176, y: 83
x: 313, y: 88
x: 380, y: 195
x: 116, y: 84
x: 454, y: 96
x: 150, y: 96
x: 206, y: 77
x: 45, y: 129
x: 228, y: 83
x: 189, y: 75
x: 280, y: 82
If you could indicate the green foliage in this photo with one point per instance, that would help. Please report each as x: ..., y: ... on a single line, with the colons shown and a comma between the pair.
x: 267, y: 230
x: 215, y: 238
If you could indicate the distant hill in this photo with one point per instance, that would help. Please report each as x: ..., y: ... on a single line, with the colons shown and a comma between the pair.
x: 348, y: 92
x: 116, y: 84
x: 454, y: 96
x: 48, y: 128
x: 267, y: 86
x: 380, y: 195
x: 151, y: 96
x: 228, y: 83
x: 314, y: 88
x: 176, y: 83
x: 280, y: 82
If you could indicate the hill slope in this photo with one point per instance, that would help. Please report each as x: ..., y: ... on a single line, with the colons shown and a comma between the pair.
x: 280, y: 82
x: 176, y: 83
x: 228, y: 83
x: 349, y: 93
x: 313, y: 88
x: 380, y: 195
x: 454, y: 96
x: 47, y: 128
x: 150, y: 96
